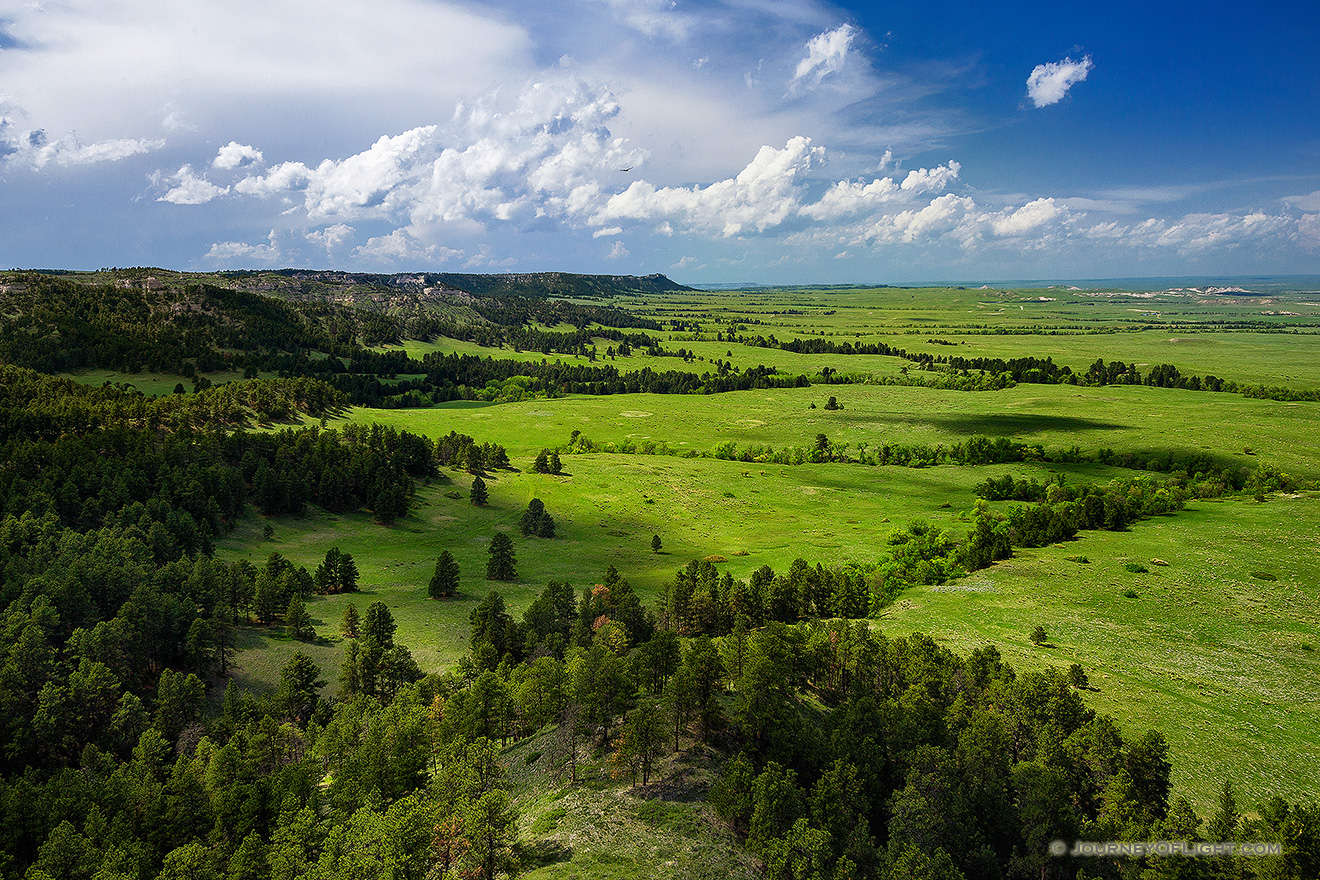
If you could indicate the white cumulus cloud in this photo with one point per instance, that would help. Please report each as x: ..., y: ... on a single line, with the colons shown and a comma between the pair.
x: 189, y: 189
x: 763, y: 195
x: 826, y: 53
x: 70, y: 151
x: 924, y: 180
x: 944, y: 214
x: 1048, y: 83
x: 539, y: 153
x: 1309, y: 202
x: 854, y: 197
x: 239, y: 253
x: 1030, y: 216
x: 332, y: 237
x: 235, y: 155
x: 1308, y: 231
x: 403, y: 247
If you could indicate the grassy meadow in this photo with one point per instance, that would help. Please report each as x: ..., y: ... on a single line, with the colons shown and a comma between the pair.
x: 1122, y: 417
x: 606, y: 510
x: 1217, y: 648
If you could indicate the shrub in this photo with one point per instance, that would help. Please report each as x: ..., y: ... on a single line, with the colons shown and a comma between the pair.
x: 1136, y: 567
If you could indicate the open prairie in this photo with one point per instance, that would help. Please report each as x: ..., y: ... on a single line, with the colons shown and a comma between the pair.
x: 1215, y: 649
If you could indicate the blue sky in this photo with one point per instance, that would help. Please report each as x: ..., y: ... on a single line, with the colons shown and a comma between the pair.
x: 770, y: 141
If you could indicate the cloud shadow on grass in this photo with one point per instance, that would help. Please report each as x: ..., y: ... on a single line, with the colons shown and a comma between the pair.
x: 1014, y: 424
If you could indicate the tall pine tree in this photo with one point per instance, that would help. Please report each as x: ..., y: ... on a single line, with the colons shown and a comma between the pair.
x: 501, y: 566
x: 444, y: 583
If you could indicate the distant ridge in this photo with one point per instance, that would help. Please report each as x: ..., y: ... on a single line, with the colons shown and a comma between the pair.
x: 530, y: 284
x: 562, y: 284
x: 452, y: 295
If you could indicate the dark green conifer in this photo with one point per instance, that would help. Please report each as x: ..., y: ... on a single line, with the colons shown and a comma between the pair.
x: 444, y: 583
x: 501, y: 566
x: 298, y: 623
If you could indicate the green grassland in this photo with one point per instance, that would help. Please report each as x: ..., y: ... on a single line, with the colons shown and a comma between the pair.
x: 606, y: 512
x: 1207, y: 652
x: 1219, y: 649
x: 150, y: 384
x: 1211, y: 650
x: 1124, y: 418
x: 1197, y: 334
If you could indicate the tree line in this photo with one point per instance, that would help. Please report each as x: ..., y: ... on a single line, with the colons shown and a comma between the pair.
x: 1034, y: 370
x: 1204, y: 474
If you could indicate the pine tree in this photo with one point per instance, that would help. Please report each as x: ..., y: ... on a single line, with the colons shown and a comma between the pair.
x: 350, y: 623
x: 232, y: 708
x: 390, y: 504
x: 347, y: 575
x: 642, y: 739
x: 545, y: 526
x: 542, y: 463
x: 491, y: 625
x: 478, y: 494
x: 501, y: 566
x: 266, y: 597
x: 655, y: 544
x: 300, y: 679
x: 326, y: 578
x: 491, y: 827
x: 224, y: 637
x: 298, y: 623
x: 379, y: 626
x: 248, y: 861
x: 350, y: 673
x: 556, y: 467
x: 444, y: 583
x: 535, y: 521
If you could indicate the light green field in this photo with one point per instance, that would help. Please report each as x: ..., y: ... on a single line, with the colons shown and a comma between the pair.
x: 1221, y: 660
x: 606, y: 512
x: 150, y: 384
x: 1124, y: 418
x: 631, y: 364
x: 1071, y: 327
